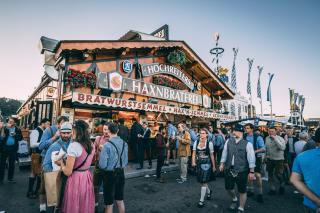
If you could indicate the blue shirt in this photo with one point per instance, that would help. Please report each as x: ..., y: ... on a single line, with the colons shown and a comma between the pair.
x: 172, y: 130
x: 219, y: 141
x: 307, y: 165
x: 10, y: 140
x: 193, y: 136
x: 46, y: 141
x: 259, y: 143
x: 109, y: 158
x: 47, y: 162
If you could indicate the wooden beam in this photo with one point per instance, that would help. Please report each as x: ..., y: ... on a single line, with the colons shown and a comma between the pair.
x: 153, y: 50
x: 125, y: 51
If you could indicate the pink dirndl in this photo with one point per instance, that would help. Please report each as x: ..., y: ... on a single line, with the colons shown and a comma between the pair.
x: 79, y: 193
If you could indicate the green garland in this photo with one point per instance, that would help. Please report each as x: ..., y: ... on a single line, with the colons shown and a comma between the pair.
x: 177, y: 57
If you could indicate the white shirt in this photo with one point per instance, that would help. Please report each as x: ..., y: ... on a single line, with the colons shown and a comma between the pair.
x: 74, y: 149
x: 298, y: 146
x: 203, y: 148
x: 34, y: 138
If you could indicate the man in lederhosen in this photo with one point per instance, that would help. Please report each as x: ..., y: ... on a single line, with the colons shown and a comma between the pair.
x: 238, y: 162
x: 36, y: 158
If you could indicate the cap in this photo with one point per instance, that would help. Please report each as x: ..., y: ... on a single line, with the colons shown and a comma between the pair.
x: 238, y: 128
x: 66, y: 127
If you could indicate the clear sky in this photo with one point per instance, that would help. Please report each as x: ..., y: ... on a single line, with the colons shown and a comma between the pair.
x: 282, y: 36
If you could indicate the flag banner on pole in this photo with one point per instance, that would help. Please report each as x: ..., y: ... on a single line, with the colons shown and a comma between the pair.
x: 259, y: 83
x: 296, y: 95
x: 291, y: 93
x: 250, y: 61
x: 302, y: 104
x: 233, y: 72
x: 300, y: 99
x: 269, y: 87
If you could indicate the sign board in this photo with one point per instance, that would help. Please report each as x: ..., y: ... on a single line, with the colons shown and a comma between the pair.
x: 156, y: 68
x: 135, y: 105
x: 127, y: 66
x: 157, y: 91
x: 162, y: 32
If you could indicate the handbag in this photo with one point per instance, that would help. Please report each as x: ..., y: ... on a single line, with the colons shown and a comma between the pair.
x: 52, y: 182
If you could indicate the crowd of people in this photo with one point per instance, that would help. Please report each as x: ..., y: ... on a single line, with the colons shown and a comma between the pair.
x: 241, y: 154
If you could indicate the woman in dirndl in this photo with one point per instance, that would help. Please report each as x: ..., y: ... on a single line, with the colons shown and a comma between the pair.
x: 203, y: 159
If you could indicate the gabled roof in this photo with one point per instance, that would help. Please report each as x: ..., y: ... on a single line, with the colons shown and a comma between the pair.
x: 203, y: 71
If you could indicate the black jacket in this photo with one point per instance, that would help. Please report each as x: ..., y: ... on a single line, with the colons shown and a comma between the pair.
x: 146, y: 135
x: 123, y: 133
x: 135, y: 130
x: 18, y: 137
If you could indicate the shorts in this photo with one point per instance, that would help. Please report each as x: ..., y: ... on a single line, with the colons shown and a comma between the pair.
x: 258, y: 167
x: 241, y: 181
x: 113, y: 186
x: 172, y: 144
x: 275, y: 167
x: 36, y: 166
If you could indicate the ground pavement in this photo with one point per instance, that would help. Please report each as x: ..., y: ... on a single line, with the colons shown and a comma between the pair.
x: 143, y: 195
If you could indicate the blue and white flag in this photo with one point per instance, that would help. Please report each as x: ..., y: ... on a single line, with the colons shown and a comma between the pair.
x: 269, y: 87
x: 250, y: 61
x: 259, y: 83
x: 302, y: 104
x: 233, y: 72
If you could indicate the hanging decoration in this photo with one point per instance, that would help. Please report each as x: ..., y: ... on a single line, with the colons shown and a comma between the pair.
x: 169, y: 82
x: 77, y: 78
x: 177, y: 57
x: 217, y: 104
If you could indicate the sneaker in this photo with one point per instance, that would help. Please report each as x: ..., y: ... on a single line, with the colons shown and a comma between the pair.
x: 281, y: 190
x: 178, y: 179
x: 147, y: 176
x: 201, y: 204
x: 181, y: 181
x: 250, y: 193
x: 272, y: 192
x: 240, y: 211
x: 233, y: 206
x: 260, y: 198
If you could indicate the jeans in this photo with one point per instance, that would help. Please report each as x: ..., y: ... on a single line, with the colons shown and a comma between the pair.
x: 11, y: 155
x: 183, y: 167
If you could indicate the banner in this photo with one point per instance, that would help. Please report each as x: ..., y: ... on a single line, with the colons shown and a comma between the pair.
x: 269, y: 87
x: 135, y: 105
x: 291, y: 94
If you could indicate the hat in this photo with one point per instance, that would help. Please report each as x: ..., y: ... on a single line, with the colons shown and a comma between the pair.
x: 317, y: 136
x: 238, y: 128
x: 66, y: 127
